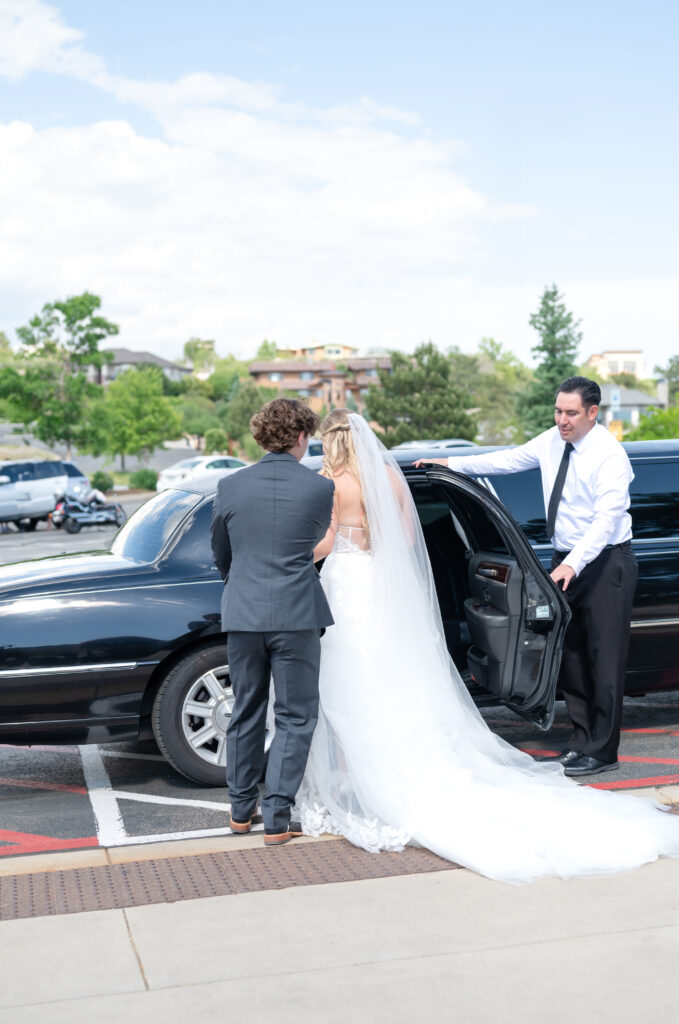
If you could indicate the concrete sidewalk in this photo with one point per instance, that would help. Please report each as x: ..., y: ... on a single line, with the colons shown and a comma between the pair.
x: 448, y: 946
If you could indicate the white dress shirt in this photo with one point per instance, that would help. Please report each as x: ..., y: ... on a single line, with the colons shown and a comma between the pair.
x: 593, y: 508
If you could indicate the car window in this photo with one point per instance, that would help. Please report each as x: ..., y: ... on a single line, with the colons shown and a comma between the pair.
x: 146, y: 533
x: 521, y: 494
x: 218, y: 464
x: 45, y: 470
x: 654, y: 493
x: 18, y: 472
x: 193, y: 545
x: 234, y: 463
x: 465, y: 519
x: 72, y: 470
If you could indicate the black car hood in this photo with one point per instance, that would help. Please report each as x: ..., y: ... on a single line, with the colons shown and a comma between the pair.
x: 77, y: 569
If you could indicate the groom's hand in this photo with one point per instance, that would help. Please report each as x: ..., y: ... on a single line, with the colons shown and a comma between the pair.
x: 562, y: 575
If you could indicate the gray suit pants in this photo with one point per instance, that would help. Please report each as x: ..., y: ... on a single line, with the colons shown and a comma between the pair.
x: 293, y: 659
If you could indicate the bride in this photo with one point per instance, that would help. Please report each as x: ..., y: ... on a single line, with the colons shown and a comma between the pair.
x: 400, y: 753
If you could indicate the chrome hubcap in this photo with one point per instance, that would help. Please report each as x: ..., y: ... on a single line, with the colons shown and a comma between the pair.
x: 206, y: 714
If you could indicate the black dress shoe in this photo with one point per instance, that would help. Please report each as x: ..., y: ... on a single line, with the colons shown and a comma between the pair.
x: 565, y: 757
x: 586, y: 765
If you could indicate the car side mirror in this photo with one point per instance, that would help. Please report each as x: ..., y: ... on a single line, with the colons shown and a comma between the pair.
x: 4, y: 479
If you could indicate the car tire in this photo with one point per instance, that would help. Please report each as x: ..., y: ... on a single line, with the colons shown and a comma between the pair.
x: 195, y: 743
x: 27, y: 525
x: 72, y: 525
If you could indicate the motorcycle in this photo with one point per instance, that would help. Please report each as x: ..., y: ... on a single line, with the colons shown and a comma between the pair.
x: 93, y: 510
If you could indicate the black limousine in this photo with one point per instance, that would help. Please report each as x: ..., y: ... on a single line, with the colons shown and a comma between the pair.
x: 125, y: 644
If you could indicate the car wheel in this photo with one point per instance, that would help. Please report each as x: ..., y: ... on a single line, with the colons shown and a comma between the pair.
x: 27, y: 525
x: 190, y: 715
x: 72, y: 525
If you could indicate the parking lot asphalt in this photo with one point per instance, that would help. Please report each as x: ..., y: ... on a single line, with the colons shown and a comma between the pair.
x: 45, y: 541
x: 60, y: 797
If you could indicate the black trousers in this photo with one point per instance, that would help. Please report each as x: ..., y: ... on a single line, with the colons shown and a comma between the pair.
x: 293, y: 658
x: 594, y: 658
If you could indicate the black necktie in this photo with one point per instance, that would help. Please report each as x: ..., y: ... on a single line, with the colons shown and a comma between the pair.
x: 555, y: 496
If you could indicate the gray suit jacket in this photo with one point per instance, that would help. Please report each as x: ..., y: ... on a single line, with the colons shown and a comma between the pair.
x: 266, y: 521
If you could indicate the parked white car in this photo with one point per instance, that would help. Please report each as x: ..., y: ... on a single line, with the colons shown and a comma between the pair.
x: 446, y: 442
x: 29, y: 489
x: 197, y: 466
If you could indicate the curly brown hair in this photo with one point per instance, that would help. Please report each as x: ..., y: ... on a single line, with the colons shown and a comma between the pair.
x: 279, y: 423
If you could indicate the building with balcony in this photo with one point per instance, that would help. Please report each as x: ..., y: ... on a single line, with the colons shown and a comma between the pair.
x: 315, y: 352
x: 322, y: 383
x: 613, y: 361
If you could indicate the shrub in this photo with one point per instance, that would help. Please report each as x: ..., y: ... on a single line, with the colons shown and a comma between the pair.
x: 144, y: 479
x: 216, y: 440
x: 101, y: 481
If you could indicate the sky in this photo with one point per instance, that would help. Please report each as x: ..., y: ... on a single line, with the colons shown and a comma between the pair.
x: 377, y: 174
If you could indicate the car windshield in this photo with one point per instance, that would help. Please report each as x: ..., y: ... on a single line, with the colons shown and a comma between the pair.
x: 146, y: 533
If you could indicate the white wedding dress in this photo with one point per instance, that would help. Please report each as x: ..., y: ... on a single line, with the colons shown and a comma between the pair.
x: 401, y: 754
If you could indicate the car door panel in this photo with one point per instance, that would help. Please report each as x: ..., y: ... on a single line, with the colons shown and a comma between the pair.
x: 516, y: 616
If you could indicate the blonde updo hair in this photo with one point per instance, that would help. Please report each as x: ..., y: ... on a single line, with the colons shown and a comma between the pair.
x: 339, y: 454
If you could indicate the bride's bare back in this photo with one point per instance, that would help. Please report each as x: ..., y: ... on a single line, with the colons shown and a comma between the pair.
x: 348, y: 516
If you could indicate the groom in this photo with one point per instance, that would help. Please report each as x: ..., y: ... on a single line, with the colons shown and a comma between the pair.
x: 266, y: 521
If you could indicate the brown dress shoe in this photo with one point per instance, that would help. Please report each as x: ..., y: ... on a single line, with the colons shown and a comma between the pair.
x: 240, y: 827
x: 294, y: 831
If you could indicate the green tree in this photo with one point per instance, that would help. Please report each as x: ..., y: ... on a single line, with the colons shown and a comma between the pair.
x: 5, y: 345
x: 47, y: 382
x: 556, y: 351
x: 267, y: 350
x: 137, y: 415
x: 57, y: 406
x: 670, y: 373
x: 419, y: 399
x: 197, y: 414
x: 501, y: 380
x: 247, y: 399
x: 465, y: 369
x: 656, y: 424
x: 629, y: 380
x: 200, y: 352
x: 70, y: 329
x: 216, y: 440
x: 225, y: 376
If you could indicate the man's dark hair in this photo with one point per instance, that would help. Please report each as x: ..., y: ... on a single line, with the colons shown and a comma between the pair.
x: 278, y: 424
x: 589, y: 390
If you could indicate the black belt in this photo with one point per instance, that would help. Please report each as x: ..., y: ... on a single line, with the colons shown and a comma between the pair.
x: 608, y: 547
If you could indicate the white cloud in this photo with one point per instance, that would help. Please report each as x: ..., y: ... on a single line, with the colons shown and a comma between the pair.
x: 33, y: 37
x: 250, y: 216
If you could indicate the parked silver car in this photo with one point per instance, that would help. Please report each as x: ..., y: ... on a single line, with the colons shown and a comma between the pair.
x: 29, y: 489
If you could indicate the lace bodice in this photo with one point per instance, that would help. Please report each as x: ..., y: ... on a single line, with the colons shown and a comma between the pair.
x: 351, y: 539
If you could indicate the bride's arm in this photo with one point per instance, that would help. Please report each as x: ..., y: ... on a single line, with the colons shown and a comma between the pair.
x: 324, y: 547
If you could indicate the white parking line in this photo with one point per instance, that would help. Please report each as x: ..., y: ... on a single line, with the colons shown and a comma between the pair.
x: 145, y: 798
x: 106, y: 809
x: 109, y: 824
x: 126, y: 755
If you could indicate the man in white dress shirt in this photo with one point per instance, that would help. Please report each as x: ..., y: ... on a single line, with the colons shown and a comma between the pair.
x: 585, y: 482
